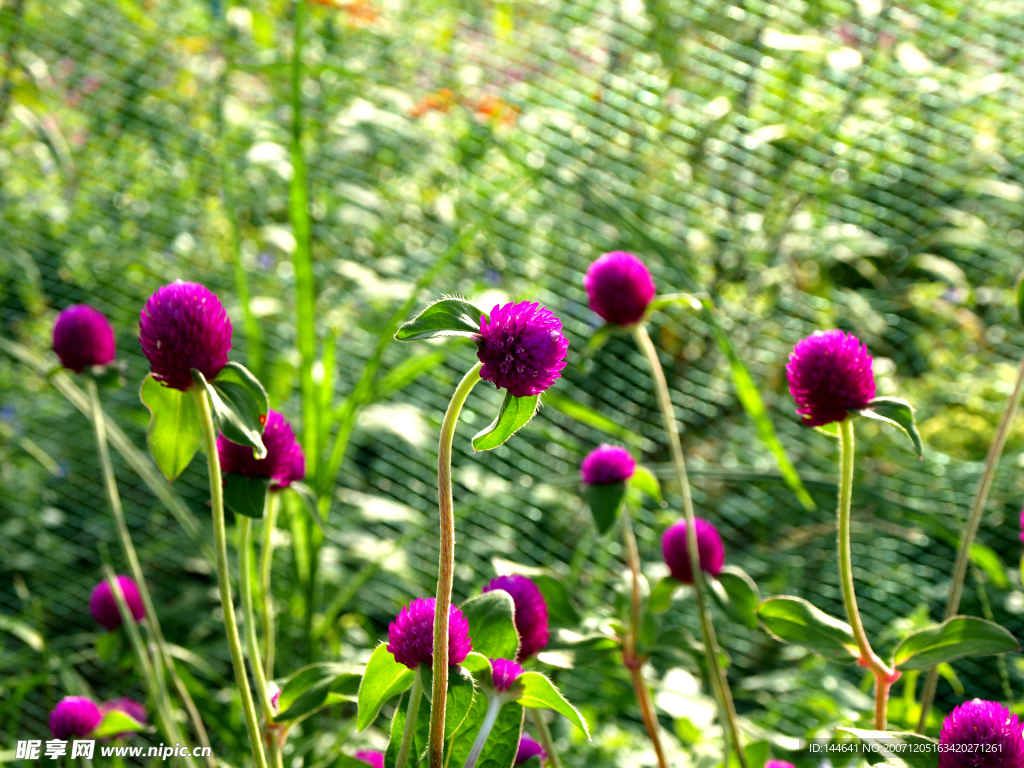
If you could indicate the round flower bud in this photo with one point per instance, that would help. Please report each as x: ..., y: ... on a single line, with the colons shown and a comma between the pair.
x: 829, y: 375
x: 103, y: 604
x: 1022, y: 526
x: 778, y: 764
x: 607, y: 464
x: 411, y: 635
x: 677, y: 556
x: 504, y: 673
x: 74, y: 716
x: 531, y: 612
x: 371, y: 757
x: 619, y: 287
x: 284, y: 463
x: 130, y: 707
x: 183, y: 326
x: 82, y: 337
x: 522, y: 348
x: 993, y: 733
x: 529, y: 748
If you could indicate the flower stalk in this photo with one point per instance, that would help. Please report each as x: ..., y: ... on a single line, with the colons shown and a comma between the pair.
x: 266, y: 567
x: 545, y: 739
x: 494, y: 704
x: 411, y: 713
x: 244, y: 526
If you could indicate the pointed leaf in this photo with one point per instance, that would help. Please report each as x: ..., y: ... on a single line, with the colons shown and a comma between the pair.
x: 662, y: 594
x: 513, y: 415
x: 794, y: 620
x: 174, y: 434
x: 605, y: 500
x: 245, y: 495
x: 757, y: 753
x: 114, y: 723
x: 737, y: 594
x: 461, y: 692
x: 644, y: 480
x: 448, y: 317
x: 317, y: 686
x: 540, y: 693
x: 953, y: 639
x: 901, y: 749
x: 239, y: 405
x: 492, y: 626
x: 900, y: 414
x: 384, y: 677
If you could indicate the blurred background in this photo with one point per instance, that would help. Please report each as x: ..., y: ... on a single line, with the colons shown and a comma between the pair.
x: 329, y: 168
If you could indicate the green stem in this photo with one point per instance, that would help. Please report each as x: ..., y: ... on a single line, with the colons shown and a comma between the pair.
x: 162, y: 653
x: 963, y: 555
x: 545, y: 739
x: 220, y: 546
x: 266, y: 599
x: 409, y: 730
x: 252, y: 645
x: 446, y: 565
x: 490, y: 718
x: 719, y: 682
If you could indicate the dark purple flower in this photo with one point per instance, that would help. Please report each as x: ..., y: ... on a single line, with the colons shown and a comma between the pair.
x: 522, y: 348
x: 103, y: 605
x: 275, y: 695
x: 1022, y: 526
x: 183, y: 326
x: 284, y: 464
x: 529, y: 748
x: 504, y: 673
x: 619, y: 287
x: 981, y: 724
x: 607, y: 464
x: 74, y: 716
x: 531, y: 612
x: 130, y: 707
x: 411, y: 635
x: 82, y: 337
x: 829, y: 375
x: 778, y: 764
x: 371, y: 757
x: 677, y: 556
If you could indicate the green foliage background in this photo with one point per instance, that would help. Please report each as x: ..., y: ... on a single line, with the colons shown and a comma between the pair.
x: 809, y: 164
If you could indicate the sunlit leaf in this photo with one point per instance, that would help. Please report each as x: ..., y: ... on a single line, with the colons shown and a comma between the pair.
x: 953, y: 639
x: 174, y: 434
x: 794, y: 620
x: 384, y: 678
x: 448, y: 317
x: 513, y: 415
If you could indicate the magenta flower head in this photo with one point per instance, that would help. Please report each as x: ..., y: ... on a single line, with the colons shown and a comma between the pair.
x: 103, y: 605
x: 130, y: 707
x: 619, y: 287
x: 82, y: 337
x: 74, y: 716
x: 411, y: 635
x: 522, y: 348
x: 504, y: 673
x: 778, y: 764
x: 371, y: 757
x: 607, y: 464
x: 994, y: 736
x: 183, y: 326
x: 829, y: 375
x: 284, y: 463
x: 529, y: 748
x: 677, y: 556
x: 531, y: 612
x: 1022, y: 526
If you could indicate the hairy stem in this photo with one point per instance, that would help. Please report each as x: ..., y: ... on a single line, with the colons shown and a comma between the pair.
x: 719, y: 682
x: 963, y: 555
x: 220, y: 546
x: 545, y: 739
x: 415, y: 697
x: 490, y: 718
x: 266, y: 567
x: 446, y: 566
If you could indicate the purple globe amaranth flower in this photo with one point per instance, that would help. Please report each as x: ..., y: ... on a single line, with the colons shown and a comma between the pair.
x: 619, y: 287
x: 529, y: 748
x: 83, y: 337
x: 371, y: 757
x: 74, y: 716
x: 829, y: 375
x: 677, y: 556
x: 103, y: 604
x: 183, y: 326
x: 504, y: 674
x: 778, y: 764
x: 284, y: 463
x: 130, y: 707
x: 981, y: 724
x: 531, y: 612
x: 411, y: 634
x: 1022, y: 526
x: 522, y: 348
x: 607, y: 464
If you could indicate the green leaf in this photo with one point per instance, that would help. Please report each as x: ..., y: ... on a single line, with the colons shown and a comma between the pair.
x: 605, y: 501
x: 662, y: 594
x: 578, y: 650
x: 492, y: 626
x: 29, y: 636
x: 989, y: 561
x: 461, y: 693
x: 174, y: 434
x: 317, y: 686
x: 540, y: 693
x: 561, y: 608
x: 686, y: 300
x: 903, y: 750
x: 240, y: 406
x: 245, y: 495
x: 406, y: 372
x: 384, y: 677
x: 644, y: 480
x: 116, y: 722
x: 584, y: 414
x: 757, y: 753
x: 513, y: 415
x: 448, y: 317
x: 794, y: 620
x: 737, y: 595
x: 420, y: 734
x: 953, y: 639
x: 108, y: 646
x: 900, y: 414
x: 503, y: 743
x: 476, y: 662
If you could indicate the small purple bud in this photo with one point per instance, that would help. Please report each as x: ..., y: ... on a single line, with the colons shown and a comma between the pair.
x: 371, y: 757
x: 504, y: 673
x: 529, y: 748
x: 993, y: 733
x: 130, y: 707
x: 522, y: 348
x: 829, y: 375
x: 607, y: 464
x: 619, y: 287
x: 74, y: 716
x: 531, y: 612
x: 677, y: 556
x: 1022, y: 526
x: 82, y: 337
x: 103, y: 604
x: 183, y: 326
x: 778, y: 764
x: 284, y: 464
x: 411, y: 635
